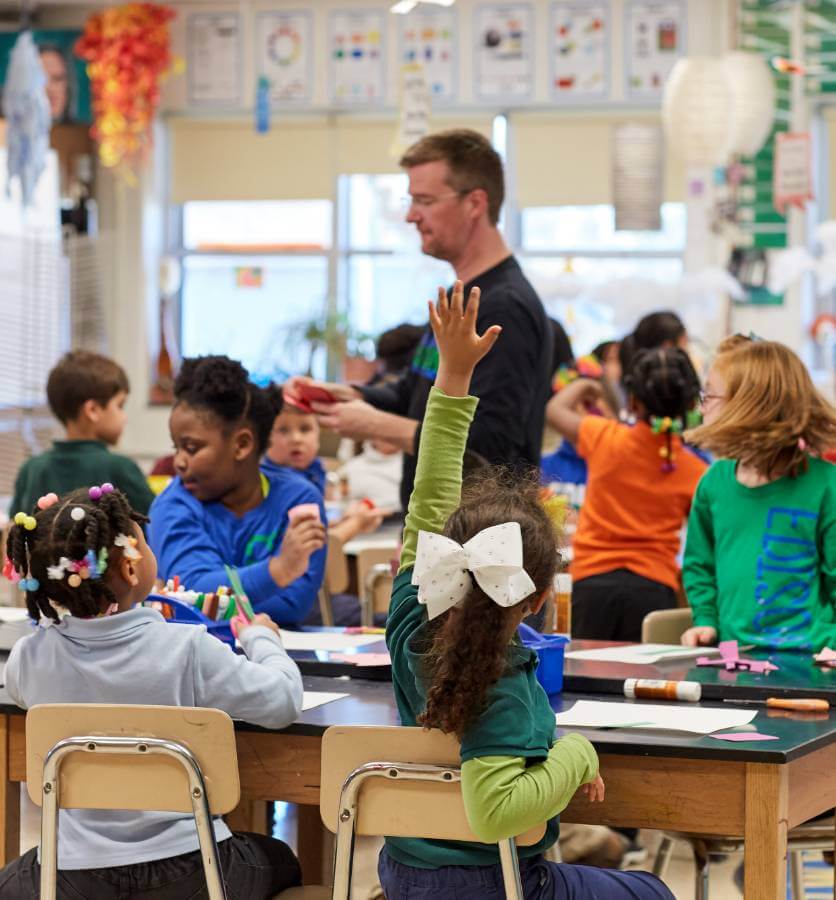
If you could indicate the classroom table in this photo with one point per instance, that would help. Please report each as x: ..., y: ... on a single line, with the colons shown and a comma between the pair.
x: 654, y: 780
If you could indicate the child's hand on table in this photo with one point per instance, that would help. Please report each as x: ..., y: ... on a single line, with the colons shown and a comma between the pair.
x: 699, y: 636
x: 460, y: 348
x: 367, y: 519
x: 258, y: 619
x: 302, y: 538
x: 594, y: 789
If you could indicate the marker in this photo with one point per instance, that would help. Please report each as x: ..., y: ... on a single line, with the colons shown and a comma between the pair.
x: 363, y: 629
x: 801, y: 704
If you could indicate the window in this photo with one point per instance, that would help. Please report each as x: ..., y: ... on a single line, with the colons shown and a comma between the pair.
x: 255, y: 277
x: 598, y: 281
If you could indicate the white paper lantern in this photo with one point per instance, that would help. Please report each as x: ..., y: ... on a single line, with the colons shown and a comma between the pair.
x: 697, y: 111
x: 753, y: 100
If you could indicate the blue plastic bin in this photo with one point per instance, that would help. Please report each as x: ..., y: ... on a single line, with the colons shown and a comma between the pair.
x: 190, y: 615
x: 550, y: 649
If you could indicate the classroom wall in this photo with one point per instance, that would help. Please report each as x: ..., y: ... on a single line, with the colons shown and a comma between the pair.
x: 136, y: 216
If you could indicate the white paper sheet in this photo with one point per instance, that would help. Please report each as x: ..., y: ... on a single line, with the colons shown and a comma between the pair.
x: 310, y: 699
x: 326, y: 640
x: 13, y: 613
x: 642, y: 654
x: 665, y: 717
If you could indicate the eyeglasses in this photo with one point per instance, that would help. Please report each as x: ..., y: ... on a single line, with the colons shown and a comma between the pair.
x: 423, y: 202
x: 704, y: 396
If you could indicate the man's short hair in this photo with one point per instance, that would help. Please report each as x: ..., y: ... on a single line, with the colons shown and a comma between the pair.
x: 472, y: 161
x: 80, y: 376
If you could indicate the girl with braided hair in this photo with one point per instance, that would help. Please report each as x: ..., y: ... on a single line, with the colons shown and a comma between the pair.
x: 473, y: 565
x: 84, y: 565
x: 638, y: 495
x: 760, y: 559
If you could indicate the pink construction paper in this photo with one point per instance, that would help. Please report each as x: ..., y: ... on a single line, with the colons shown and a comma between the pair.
x: 827, y: 657
x: 739, y: 736
x: 731, y: 660
x: 363, y: 659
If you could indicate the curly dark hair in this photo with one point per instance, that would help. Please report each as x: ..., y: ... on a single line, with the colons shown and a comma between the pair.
x: 466, y: 649
x: 222, y: 386
x: 57, y: 534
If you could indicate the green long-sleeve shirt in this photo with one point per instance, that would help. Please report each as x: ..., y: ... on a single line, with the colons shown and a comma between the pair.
x: 760, y: 563
x: 514, y: 774
x: 73, y: 464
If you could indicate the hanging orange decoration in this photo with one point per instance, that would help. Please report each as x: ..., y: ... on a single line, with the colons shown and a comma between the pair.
x: 128, y: 53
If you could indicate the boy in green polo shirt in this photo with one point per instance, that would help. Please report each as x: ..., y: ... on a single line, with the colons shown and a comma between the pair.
x: 86, y: 393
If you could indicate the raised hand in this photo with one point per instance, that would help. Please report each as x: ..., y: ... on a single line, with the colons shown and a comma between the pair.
x: 460, y: 348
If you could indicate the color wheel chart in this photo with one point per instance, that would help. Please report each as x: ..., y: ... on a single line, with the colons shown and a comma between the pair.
x: 579, y: 47
x: 356, y: 61
x: 284, y: 55
x: 428, y: 37
x: 504, y: 51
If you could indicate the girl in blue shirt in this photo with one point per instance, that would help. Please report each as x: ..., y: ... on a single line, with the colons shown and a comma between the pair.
x: 222, y: 510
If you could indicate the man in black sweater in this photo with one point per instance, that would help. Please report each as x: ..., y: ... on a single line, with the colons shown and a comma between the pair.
x: 456, y: 187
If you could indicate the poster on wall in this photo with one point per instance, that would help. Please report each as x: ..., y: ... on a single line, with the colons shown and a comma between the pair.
x: 504, y: 51
x: 67, y: 84
x: 214, y: 59
x: 284, y: 55
x: 356, y: 62
x: 654, y: 40
x: 428, y: 37
x: 579, y: 47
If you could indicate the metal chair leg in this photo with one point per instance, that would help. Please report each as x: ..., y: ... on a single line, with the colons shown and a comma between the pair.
x: 663, y: 857
x: 510, y: 870
x: 702, y: 864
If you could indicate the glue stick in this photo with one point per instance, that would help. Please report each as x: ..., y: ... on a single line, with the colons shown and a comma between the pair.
x: 648, y: 689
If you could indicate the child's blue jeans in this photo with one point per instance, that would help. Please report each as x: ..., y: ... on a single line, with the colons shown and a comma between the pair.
x: 541, y: 881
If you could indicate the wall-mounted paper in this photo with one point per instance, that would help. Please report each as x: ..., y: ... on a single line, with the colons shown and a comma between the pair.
x: 667, y: 717
x: 214, y: 59
x: 428, y: 37
x: 284, y: 55
x: 504, y: 51
x: 654, y: 40
x: 579, y: 48
x: 356, y: 58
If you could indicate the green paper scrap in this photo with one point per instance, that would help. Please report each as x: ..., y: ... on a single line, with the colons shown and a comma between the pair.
x: 241, y: 599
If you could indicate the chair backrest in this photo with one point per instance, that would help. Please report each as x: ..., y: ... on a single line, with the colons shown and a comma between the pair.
x: 91, y: 781
x: 398, y: 808
x: 665, y: 626
x: 336, y: 567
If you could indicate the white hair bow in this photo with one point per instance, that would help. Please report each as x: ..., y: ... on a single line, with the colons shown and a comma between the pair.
x: 493, y: 556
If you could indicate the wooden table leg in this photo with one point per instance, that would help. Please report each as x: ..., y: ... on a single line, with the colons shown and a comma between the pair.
x: 9, y: 801
x: 765, y: 849
x: 250, y: 815
x: 309, y: 844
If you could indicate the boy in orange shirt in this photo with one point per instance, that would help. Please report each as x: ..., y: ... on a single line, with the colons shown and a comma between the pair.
x: 638, y: 496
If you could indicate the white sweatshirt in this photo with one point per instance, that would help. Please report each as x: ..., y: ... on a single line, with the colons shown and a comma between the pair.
x: 136, y: 657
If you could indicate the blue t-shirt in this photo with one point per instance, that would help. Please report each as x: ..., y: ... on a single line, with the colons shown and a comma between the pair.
x: 194, y: 541
x: 564, y: 466
x: 315, y: 473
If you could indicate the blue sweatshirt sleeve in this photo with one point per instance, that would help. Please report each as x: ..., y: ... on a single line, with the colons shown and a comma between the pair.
x: 184, y: 548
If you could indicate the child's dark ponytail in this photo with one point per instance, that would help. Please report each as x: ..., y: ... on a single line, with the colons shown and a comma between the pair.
x: 665, y: 383
x: 64, y: 557
x: 466, y: 649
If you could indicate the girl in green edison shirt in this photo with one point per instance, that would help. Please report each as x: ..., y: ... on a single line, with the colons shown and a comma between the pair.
x: 472, y: 567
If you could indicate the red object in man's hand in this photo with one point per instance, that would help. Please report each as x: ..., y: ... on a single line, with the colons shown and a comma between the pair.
x: 306, y: 394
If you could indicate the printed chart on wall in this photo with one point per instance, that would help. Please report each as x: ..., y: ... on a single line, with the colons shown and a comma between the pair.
x: 427, y: 37
x: 504, y: 51
x: 356, y: 61
x: 284, y: 55
x: 214, y: 59
x: 654, y: 41
x: 580, y: 51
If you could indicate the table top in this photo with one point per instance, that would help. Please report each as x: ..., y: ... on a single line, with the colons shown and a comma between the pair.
x: 797, y: 676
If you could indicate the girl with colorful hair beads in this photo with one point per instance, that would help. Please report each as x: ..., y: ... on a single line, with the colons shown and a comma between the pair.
x: 760, y: 559
x: 472, y: 567
x: 83, y: 562
x: 640, y: 484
